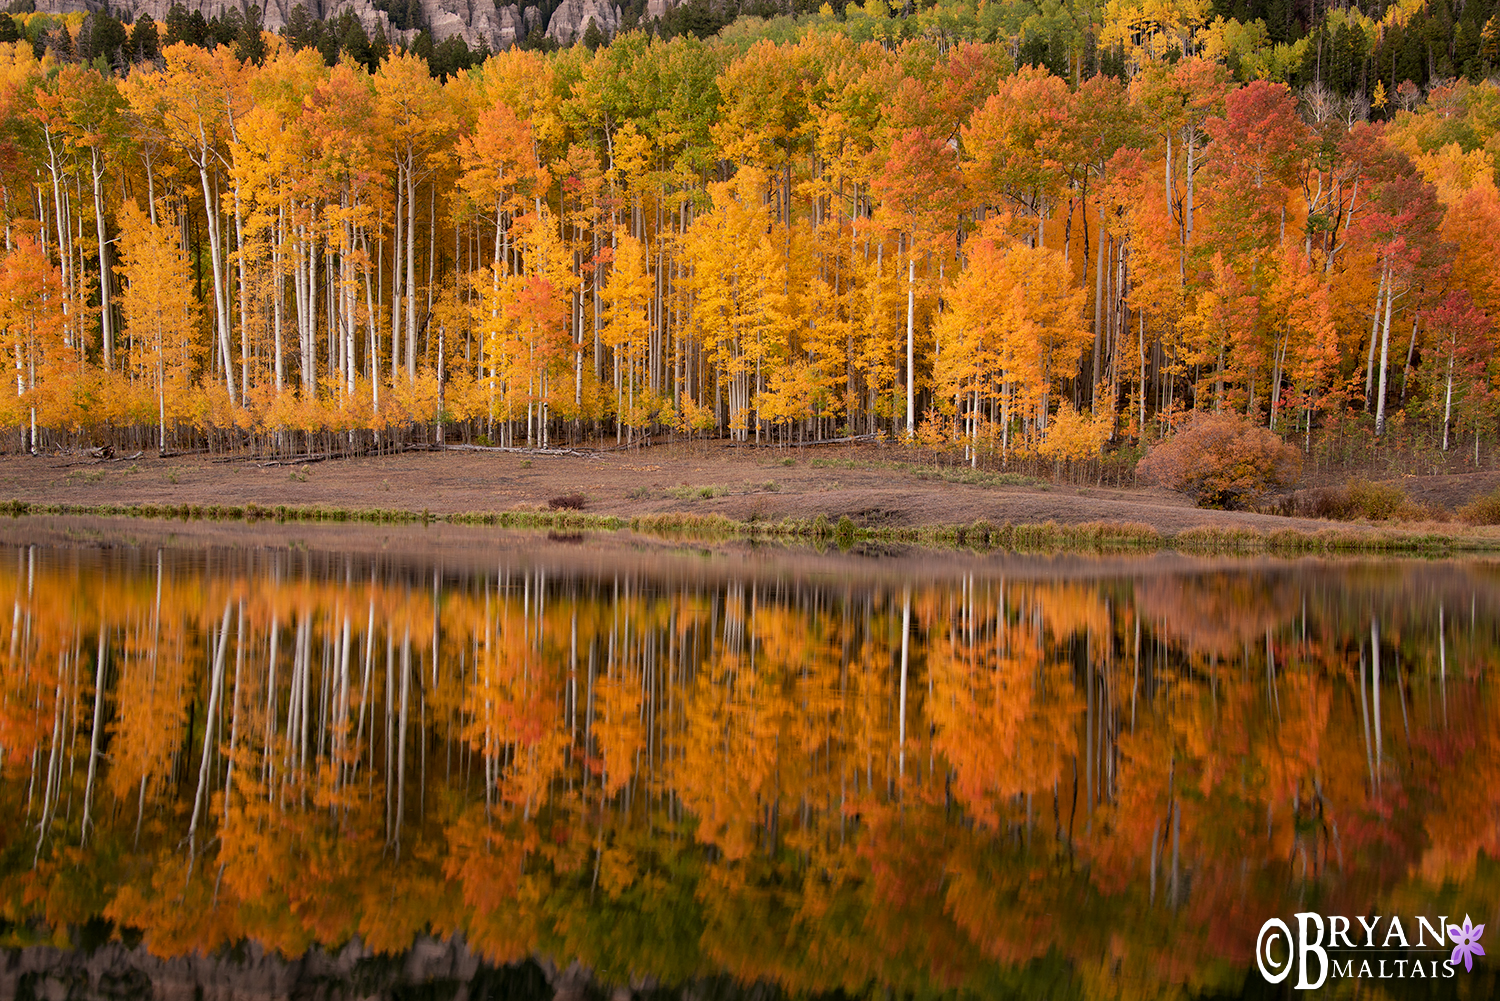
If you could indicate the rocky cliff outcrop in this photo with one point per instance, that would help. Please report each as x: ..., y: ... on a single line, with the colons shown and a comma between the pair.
x: 480, y: 22
x: 274, y: 13
x: 570, y: 22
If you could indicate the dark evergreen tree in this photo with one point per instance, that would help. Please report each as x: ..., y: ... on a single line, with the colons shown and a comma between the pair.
x: 538, y: 39
x: 1345, y: 67
x: 328, y: 43
x: 9, y: 31
x: 185, y: 26
x: 145, y: 43
x: 593, y: 37
x: 451, y: 57
x: 250, y: 46
x: 380, y: 47
x: 1281, y: 21
x: 1411, y: 58
x: 100, y: 35
x: 225, y: 29
x: 60, y: 44
x: 423, y: 46
x: 301, y: 29
x: 353, y: 43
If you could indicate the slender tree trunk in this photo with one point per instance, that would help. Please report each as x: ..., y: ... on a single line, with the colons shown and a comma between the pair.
x: 401, y: 736
x: 396, y: 238
x: 411, y: 268
x: 234, y: 711
x: 106, y: 316
x: 278, y: 295
x: 1385, y: 345
x: 239, y: 246
x: 1374, y: 336
x: 911, y: 368
x: 88, y: 788
x: 215, y: 251
x: 1448, y: 403
x: 216, y: 685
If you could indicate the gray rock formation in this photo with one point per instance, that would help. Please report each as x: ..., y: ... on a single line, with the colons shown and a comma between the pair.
x: 570, y: 22
x: 480, y: 22
x: 274, y: 12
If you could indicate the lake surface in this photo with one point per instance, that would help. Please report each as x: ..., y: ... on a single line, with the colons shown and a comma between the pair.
x: 245, y: 761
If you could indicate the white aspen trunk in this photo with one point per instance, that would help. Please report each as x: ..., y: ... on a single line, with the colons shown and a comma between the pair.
x: 277, y: 295
x: 346, y: 281
x: 65, y: 256
x: 269, y: 741
x: 341, y: 706
x: 216, y: 685
x: 88, y: 788
x: 411, y: 267
x: 911, y: 367
x: 239, y: 247
x: 372, y: 328
x: 161, y: 403
x: 215, y: 250
x: 432, y: 244
x: 106, y: 318
x: 299, y: 301
x: 396, y: 236
x: 1276, y: 377
x: 1374, y: 335
x: 1142, y: 342
x: 1448, y: 402
x: 1187, y: 207
x: 390, y: 726
x: 54, y: 762
x: 234, y: 710
x: 1099, y: 257
x: 310, y: 342
x: 364, y: 691
x: 305, y: 717
x: 401, y: 735
x: 1385, y: 345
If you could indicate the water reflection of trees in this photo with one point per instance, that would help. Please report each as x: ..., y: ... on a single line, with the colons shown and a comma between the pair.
x: 975, y: 783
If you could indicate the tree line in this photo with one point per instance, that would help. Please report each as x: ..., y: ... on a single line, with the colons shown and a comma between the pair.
x: 873, y: 226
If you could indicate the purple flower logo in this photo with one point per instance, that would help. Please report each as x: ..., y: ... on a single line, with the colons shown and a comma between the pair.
x: 1466, y: 943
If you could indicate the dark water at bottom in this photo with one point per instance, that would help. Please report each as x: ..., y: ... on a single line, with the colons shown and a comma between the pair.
x: 449, y: 765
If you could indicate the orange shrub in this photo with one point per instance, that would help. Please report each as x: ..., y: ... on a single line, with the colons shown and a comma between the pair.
x: 1223, y: 461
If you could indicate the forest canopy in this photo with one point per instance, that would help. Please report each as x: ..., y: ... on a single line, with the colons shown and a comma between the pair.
x: 971, y: 225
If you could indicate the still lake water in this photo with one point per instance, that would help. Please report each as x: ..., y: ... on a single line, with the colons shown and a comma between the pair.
x: 248, y: 761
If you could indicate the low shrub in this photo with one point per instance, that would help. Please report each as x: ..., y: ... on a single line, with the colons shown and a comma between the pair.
x: 1358, y: 499
x: 1482, y: 510
x: 845, y: 531
x: 1380, y: 501
x: 1222, y: 461
x: 567, y: 502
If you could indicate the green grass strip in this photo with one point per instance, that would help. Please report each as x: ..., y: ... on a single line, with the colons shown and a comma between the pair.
x: 1046, y: 537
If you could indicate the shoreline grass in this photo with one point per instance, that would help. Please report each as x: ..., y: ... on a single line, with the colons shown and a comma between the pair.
x: 1035, y: 538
